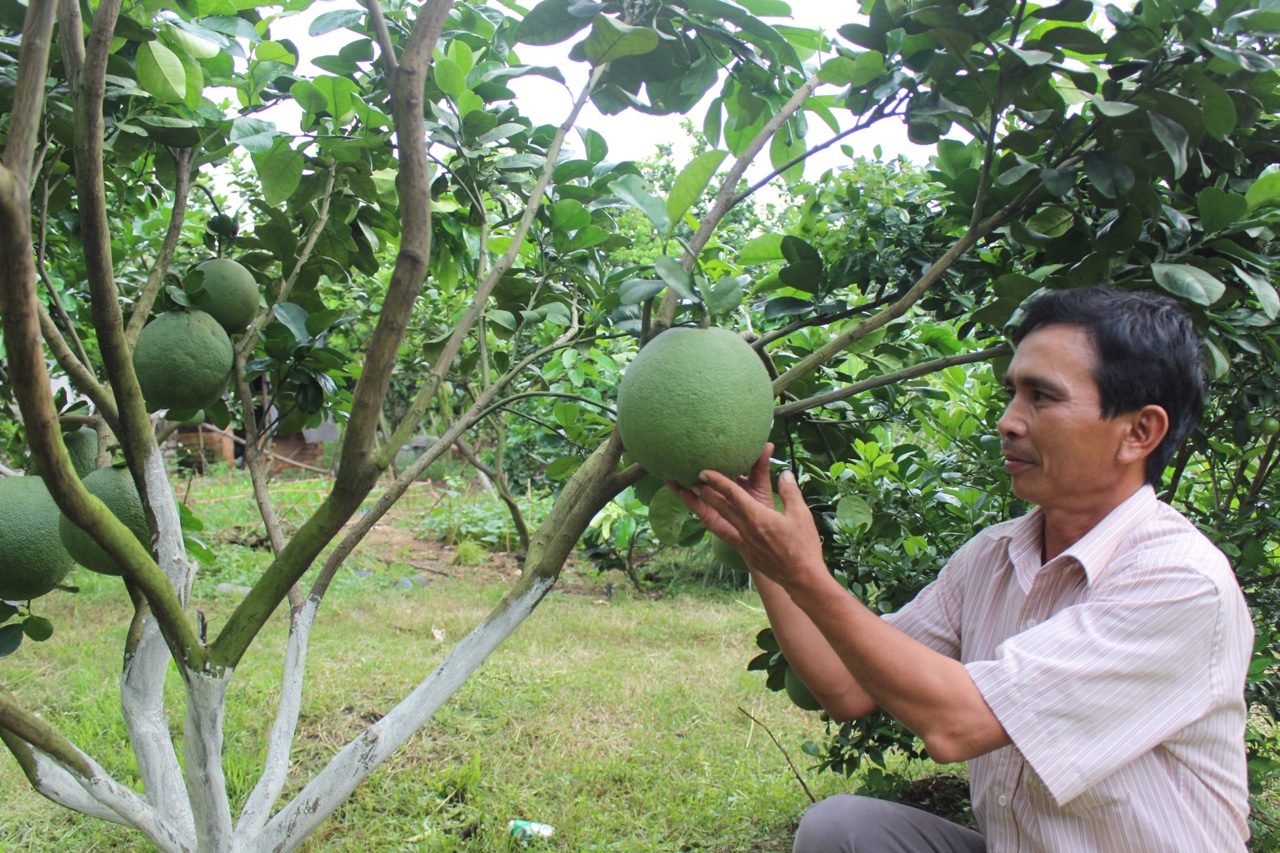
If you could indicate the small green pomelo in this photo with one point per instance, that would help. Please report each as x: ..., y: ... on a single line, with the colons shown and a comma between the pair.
x: 115, y: 488
x: 183, y: 360
x: 799, y: 693
x: 728, y: 555
x: 82, y: 444
x: 695, y: 399
x: 234, y: 291
x: 32, y: 558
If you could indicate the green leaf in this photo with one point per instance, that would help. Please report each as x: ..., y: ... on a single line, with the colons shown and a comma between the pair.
x: 691, y: 182
x: 761, y: 250
x: 1111, y: 109
x: 1266, y: 189
x: 670, y: 271
x: 160, y: 72
x: 634, y: 191
x: 550, y: 22
x: 566, y: 414
x: 340, y: 95
x: 294, y: 317
x: 330, y: 21
x: 191, y: 43
x: 636, y: 290
x: 785, y: 147
x: 804, y: 265
x: 1068, y: 10
x: 234, y: 26
x: 1268, y: 299
x: 450, y: 77
x: 1188, y: 282
x: 10, y: 639
x: 611, y: 39
x: 854, y: 514
x: 274, y: 51
x: 253, y: 134
x: 1219, y: 208
x: 1051, y: 221
x: 562, y: 467
x: 1216, y: 105
x: 1028, y: 57
x: 280, y: 172
x: 667, y: 515
x: 37, y: 628
x: 1109, y: 175
x: 569, y: 215
x: 596, y: 147
x: 195, y: 81
x: 1173, y: 138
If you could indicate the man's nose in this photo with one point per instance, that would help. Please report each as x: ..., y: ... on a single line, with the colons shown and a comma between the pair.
x: 1011, y: 422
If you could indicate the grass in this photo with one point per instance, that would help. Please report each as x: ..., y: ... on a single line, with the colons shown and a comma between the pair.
x: 616, y: 721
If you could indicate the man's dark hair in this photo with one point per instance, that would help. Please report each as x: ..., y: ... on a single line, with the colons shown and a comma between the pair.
x: 1147, y: 350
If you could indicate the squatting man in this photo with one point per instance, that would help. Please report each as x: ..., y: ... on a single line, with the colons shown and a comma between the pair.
x: 1086, y: 659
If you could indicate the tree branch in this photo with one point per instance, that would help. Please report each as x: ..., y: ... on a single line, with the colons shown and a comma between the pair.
x: 28, y: 94
x: 182, y: 161
x: 922, y: 369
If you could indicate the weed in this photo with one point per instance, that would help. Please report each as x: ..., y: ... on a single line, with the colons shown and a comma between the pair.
x: 470, y: 553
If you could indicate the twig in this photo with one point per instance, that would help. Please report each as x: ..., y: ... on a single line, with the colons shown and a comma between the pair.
x: 783, y: 750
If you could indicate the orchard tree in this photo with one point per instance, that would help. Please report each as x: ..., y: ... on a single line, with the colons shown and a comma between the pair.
x: 420, y: 219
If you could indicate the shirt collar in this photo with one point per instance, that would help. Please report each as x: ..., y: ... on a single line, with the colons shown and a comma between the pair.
x: 1093, y: 551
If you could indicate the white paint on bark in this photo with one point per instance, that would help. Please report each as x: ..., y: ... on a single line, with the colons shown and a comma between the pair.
x: 206, y: 783
x: 346, y: 770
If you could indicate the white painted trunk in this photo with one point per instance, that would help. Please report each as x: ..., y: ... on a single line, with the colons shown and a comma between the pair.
x: 346, y: 770
x: 202, y: 747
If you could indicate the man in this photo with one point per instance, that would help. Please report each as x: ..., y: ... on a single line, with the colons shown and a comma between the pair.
x: 1087, y: 659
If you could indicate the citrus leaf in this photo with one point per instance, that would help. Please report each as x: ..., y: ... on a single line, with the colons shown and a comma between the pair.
x: 854, y: 514
x: 191, y: 43
x: 786, y: 147
x: 330, y: 21
x: 294, y: 318
x: 692, y: 181
x: 670, y: 271
x: 1173, y: 138
x: 760, y: 250
x: 634, y: 191
x: 1268, y: 299
x: 1109, y: 175
x: 1188, y: 282
x: 1266, y: 189
x: 160, y: 72
x: 637, y: 290
x: 37, y: 628
x: 280, y: 172
x: 667, y: 515
x: 450, y: 77
x: 611, y: 39
x: 550, y: 22
x: 561, y: 468
x: 340, y: 95
x: 1219, y: 208
x: 253, y: 134
x: 10, y: 639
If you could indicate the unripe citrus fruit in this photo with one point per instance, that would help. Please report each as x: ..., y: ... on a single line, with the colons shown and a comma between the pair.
x: 82, y: 444
x: 115, y: 488
x: 799, y: 693
x: 695, y: 399
x: 183, y: 360
x: 1269, y: 426
x: 234, y: 291
x: 32, y: 558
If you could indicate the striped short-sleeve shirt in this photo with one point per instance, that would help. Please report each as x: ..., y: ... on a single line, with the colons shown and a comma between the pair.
x: 1118, y: 671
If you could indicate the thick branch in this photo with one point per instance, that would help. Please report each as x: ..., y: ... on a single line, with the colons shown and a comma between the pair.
x: 922, y: 369
x: 28, y: 95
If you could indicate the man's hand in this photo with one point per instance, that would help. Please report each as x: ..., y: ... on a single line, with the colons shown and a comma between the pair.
x: 783, y: 546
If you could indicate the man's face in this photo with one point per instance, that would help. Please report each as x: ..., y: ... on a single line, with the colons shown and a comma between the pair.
x: 1059, y: 450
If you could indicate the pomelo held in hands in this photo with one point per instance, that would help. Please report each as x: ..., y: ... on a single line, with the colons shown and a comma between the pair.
x: 695, y: 399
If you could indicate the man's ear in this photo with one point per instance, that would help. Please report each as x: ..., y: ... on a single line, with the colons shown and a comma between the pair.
x: 1147, y: 428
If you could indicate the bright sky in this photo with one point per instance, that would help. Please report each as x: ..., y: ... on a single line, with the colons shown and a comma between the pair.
x: 633, y: 136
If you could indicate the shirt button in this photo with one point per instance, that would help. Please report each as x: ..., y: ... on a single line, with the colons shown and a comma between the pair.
x: 1002, y: 800
x: 1031, y: 623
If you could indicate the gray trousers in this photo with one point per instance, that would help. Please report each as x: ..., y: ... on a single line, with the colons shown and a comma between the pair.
x: 847, y: 823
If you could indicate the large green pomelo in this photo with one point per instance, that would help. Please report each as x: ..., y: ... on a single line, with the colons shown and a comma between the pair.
x: 234, y: 291
x: 695, y: 399
x: 183, y: 360
x: 799, y: 693
x: 32, y: 558
x: 115, y: 488
x: 729, y: 556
